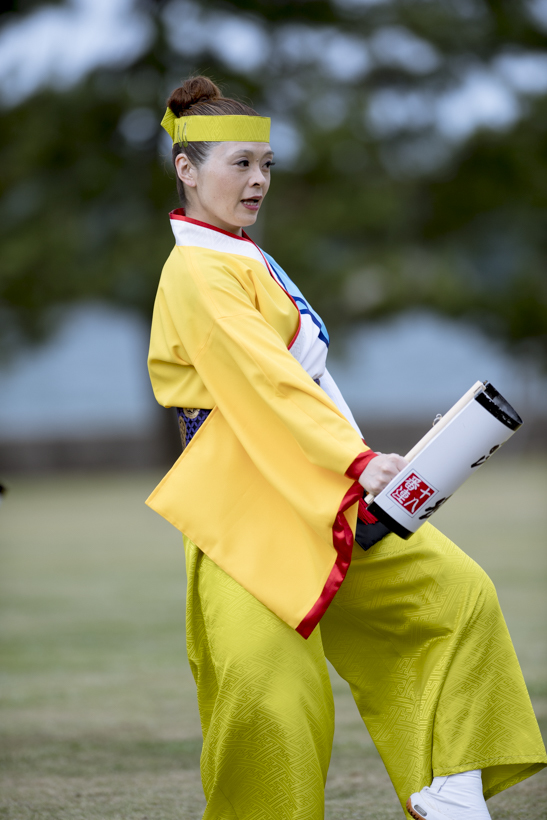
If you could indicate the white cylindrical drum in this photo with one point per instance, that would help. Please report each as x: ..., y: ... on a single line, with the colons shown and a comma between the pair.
x: 461, y: 446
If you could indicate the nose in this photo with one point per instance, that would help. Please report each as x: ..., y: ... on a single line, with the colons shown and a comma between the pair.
x: 258, y: 177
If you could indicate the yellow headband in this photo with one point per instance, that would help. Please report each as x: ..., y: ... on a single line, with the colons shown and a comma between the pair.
x: 225, y: 128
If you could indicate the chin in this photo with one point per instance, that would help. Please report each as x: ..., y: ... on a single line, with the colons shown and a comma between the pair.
x: 251, y: 219
x: 244, y: 216
x: 242, y: 220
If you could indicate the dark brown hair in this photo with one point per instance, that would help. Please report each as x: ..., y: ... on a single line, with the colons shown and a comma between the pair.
x: 200, y: 95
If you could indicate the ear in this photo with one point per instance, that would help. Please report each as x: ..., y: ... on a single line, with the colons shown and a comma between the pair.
x: 185, y: 170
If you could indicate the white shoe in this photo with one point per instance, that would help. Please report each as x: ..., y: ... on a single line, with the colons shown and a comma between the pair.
x: 454, y: 797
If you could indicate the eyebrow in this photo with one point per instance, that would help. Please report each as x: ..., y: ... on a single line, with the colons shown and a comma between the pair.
x: 251, y: 153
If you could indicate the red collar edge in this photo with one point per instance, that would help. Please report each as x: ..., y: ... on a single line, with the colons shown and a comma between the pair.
x: 178, y: 213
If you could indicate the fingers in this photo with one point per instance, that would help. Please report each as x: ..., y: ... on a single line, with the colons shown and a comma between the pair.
x: 380, y: 471
x: 388, y: 469
x: 399, y: 461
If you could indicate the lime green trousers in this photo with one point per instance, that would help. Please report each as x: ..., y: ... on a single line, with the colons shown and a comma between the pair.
x: 415, y: 629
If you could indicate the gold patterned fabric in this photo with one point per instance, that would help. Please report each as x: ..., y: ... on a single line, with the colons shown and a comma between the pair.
x: 416, y: 630
x: 222, y: 128
x: 265, y: 702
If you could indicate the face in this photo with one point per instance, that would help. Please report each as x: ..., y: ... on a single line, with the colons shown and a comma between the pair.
x: 228, y: 189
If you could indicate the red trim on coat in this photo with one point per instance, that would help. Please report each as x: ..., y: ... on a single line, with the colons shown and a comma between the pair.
x: 354, y: 471
x: 342, y: 538
x: 178, y: 213
x: 360, y: 463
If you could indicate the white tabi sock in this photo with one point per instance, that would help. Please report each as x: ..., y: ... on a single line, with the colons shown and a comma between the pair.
x: 453, y: 797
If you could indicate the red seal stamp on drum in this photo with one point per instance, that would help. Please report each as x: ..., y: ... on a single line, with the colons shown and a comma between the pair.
x: 412, y: 493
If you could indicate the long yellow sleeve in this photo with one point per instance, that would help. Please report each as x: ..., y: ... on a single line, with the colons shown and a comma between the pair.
x: 244, y: 363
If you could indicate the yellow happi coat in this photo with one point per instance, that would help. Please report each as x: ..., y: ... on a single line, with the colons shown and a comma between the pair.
x: 262, y: 486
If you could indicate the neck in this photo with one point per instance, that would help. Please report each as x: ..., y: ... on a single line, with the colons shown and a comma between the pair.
x: 202, y: 216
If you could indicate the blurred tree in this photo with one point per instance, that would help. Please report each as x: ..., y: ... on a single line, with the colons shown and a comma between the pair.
x: 412, y: 160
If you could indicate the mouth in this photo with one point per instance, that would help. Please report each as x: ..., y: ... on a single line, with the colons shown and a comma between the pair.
x: 252, y: 203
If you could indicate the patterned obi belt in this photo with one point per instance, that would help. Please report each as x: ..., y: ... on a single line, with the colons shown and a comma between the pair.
x: 190, y: 420
x: 369, y: 529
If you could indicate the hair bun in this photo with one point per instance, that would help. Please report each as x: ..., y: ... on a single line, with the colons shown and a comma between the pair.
x: 191, y: 92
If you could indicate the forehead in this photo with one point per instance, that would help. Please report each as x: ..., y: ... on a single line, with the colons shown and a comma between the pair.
x: 228, y: 150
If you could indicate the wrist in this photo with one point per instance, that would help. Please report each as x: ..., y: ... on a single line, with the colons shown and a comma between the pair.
x: 363, y: 477
x: 360, y: 463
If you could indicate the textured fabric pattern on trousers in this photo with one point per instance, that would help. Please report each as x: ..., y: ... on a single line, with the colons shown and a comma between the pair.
x: 265, y: 702
x: 417, y: 632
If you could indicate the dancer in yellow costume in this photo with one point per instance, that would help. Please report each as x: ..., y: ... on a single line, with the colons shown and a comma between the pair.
x: 267, y: 493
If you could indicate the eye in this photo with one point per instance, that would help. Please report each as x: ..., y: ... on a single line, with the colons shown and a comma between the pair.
x: 243, y: 163
x: 269, y: 164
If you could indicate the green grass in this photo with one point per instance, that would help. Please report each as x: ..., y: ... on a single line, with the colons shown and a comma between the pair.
x: 97, y: 703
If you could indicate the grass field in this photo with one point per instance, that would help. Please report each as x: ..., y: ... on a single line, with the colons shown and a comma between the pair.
x: 98, y: 712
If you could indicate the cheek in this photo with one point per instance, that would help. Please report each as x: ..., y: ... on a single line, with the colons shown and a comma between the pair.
x: 226, y: 189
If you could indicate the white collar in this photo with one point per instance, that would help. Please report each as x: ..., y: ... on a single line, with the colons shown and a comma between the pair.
x: 192, y: 233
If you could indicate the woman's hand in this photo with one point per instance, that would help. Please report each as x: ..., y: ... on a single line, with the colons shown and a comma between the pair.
x: 380, y: 470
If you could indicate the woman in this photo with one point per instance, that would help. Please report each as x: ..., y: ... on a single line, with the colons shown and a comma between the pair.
x: 266, y: 493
